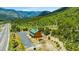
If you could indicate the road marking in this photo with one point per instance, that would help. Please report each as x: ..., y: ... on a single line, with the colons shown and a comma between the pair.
x: 5, y: 38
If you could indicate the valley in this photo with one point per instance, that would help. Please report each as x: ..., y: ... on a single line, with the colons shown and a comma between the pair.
x: 55, y: 31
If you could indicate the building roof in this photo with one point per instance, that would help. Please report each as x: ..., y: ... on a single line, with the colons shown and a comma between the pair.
x: 34, y: 30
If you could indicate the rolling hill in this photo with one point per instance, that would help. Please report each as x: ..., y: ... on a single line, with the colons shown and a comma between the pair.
x: 10, y: 14
x: 66, y: 20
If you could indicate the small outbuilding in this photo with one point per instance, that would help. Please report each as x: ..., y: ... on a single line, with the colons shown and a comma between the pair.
x: 35, y: 33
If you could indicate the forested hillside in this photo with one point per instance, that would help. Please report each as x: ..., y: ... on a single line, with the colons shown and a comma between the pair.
x: 65, y: 20
x: 11, y: 14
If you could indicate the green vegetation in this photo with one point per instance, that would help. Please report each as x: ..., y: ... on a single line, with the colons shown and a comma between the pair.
x: 47, y: 31
x: 1, y: 25
x: 66, y: 20
x: 15, y: 43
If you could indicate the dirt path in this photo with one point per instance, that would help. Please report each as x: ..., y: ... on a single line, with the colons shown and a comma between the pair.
x: 55, y: 41
x: 52, y: 44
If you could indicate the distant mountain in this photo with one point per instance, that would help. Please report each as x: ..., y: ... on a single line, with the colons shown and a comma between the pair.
x: 67, y: 22
x: 64, y: 20
x: 12, y: 14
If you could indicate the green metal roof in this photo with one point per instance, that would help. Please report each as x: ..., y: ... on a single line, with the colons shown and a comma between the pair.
x: 31, y: 34
x: 33, y: 30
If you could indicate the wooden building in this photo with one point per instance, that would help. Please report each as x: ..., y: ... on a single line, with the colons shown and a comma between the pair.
x: 35, y: 33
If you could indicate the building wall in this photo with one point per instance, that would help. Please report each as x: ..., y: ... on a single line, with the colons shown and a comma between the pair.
x: 38, y: 35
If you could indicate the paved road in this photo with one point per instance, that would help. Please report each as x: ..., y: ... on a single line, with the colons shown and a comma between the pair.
x: 4, y: 39
x: 25, y: 40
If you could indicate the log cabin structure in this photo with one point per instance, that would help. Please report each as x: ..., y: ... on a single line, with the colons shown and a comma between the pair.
x: 35, y: 33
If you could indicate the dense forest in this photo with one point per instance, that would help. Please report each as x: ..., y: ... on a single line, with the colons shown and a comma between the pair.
x: 65, y: 20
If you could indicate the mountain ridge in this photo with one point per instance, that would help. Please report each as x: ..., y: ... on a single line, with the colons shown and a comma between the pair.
x: 13, y: 14
x: 65, y: 21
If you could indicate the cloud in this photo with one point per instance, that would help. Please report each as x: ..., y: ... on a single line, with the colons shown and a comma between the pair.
x: 33, y: 8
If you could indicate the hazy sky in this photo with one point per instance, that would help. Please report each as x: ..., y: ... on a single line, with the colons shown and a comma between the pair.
x: 33, y: 8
